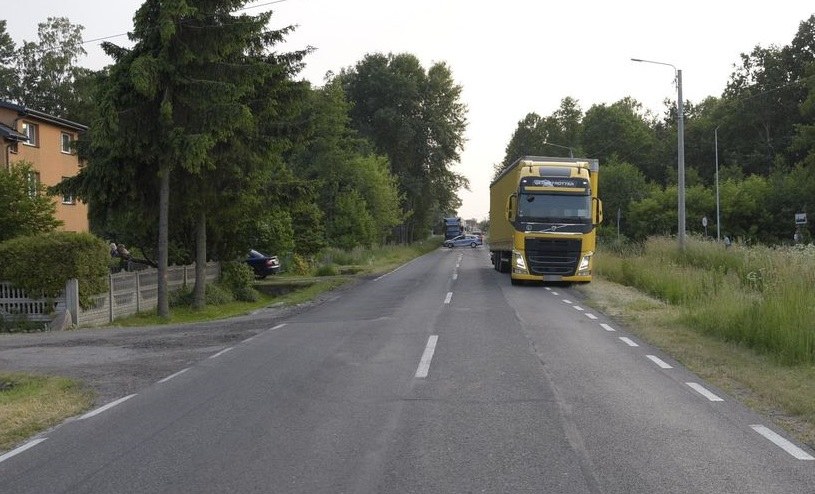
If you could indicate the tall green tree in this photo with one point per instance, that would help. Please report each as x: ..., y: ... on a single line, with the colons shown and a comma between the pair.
x: 559, y: 134
x: 621, y: 132
x: 416, y: 119
x: 47, y: 68
x: 169, y: 107
x: 8, y: 76
x: 342, y: 170
x: 765, y: 93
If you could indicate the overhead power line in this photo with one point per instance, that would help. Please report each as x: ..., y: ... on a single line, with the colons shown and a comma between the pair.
x: 239, y: 10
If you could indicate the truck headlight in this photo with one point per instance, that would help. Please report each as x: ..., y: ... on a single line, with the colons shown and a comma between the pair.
x: 518, y: 262
x: 584, y: 267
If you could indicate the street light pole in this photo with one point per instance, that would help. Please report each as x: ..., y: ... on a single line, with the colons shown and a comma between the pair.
x: 680, y: 131
x: 718, y: 220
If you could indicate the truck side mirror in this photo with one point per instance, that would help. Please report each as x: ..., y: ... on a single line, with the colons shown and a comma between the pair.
x: 598, y: 211
x: 511, y: 207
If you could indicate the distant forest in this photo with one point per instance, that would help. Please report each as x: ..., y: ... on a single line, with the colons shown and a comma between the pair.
x: 764, y: 123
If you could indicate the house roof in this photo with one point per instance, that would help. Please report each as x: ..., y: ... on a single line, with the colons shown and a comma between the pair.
x: 9, y: 134
x: 23, y: 111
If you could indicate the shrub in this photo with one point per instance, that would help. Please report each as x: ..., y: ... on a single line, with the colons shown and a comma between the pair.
x: 215, y: 295
x: 43, y: 263
x: 238, y: 277
x: 299, y: 265
x: 218, y: 295
x: 327, y: 270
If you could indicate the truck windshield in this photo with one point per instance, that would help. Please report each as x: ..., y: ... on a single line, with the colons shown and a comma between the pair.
x: 554, y: 208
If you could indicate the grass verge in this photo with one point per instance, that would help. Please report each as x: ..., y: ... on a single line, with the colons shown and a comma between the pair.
x: 30, y: 404
x: 784, y: 393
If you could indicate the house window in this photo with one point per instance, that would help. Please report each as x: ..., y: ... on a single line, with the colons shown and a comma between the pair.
x: 68, y: 198
x: 33, y: 184
x: 32, y: 131
x: 65, y: 140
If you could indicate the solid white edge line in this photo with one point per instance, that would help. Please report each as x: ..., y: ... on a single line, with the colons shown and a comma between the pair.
x: 171, y: 376
x: 607, y: 327
x: 659, y: 362
x: 221, y: 352
x: 105, y: 407
x: 782, y: 443
x: 448, y: 298
x: 704, y: 392
x: 278, y: 326
x: 628, y: 341
x: 577, y: 307
x: 591, y: 316
x: 17, y: 451
x: 427, y: 356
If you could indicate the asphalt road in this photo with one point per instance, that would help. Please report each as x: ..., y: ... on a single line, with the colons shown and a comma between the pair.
x: 439, y: 377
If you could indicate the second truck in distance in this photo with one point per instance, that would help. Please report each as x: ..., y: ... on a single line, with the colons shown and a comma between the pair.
x: 544, y: 214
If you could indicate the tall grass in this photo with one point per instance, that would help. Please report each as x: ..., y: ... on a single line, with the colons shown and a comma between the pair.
x: 760, y: 297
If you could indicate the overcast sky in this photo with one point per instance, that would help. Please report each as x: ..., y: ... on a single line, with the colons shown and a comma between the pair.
x: 511, y: 57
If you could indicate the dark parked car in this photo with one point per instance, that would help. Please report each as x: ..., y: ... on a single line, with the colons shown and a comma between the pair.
x: 462, y: 240
x: 262, y: 264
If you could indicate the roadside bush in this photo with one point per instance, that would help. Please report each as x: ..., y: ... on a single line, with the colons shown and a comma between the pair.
x: 215, y: 295
x: 238, y: 278
x: 42, y: 263
x: 327, y: 270
x: 298, y: 265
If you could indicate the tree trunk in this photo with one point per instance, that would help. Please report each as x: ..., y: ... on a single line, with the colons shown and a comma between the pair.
x: 163, y: 236
x: 199, y: 294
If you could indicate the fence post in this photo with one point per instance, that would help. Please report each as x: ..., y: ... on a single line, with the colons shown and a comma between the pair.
x: 138, y: 292
x: 110, y: 298
x: 72, y: 299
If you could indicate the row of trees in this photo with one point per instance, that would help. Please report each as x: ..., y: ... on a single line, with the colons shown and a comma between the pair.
x: 766, y: 149
x: 202, y: 142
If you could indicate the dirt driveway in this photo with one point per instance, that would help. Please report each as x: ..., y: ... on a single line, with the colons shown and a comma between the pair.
x: 116, y: 362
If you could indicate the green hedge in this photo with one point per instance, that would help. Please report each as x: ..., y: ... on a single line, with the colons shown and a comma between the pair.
x: 43, y: 263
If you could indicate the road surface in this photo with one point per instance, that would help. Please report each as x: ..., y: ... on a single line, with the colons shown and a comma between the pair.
x: 439, y: 377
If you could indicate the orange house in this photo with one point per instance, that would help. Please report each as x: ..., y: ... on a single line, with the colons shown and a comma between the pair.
x: 46, y: 142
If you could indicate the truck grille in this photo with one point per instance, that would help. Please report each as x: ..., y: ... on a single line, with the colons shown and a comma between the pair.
x: 552, y: 256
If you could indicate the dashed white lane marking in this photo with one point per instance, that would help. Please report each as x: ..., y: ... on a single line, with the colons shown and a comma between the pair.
x: 704, y: 391
x: 548, y: 289
x: 628, y: 341
x: 567, y: 301
x: 427, y: 356
x: 171, y: 376
x: 448, y: 298
x: 782, y: 443
x: 221, y: 352
x: 455, y: 276
x: 607, y: 327
x: 591, y: 316
x: 661, y: 363
x: 17, y: 451
x: 577, y: 307
x: 278, y: 326
x: 105, y: 407
x: 555, y: 293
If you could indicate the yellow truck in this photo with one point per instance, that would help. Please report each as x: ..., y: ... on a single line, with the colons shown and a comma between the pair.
x: 544, y: 214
